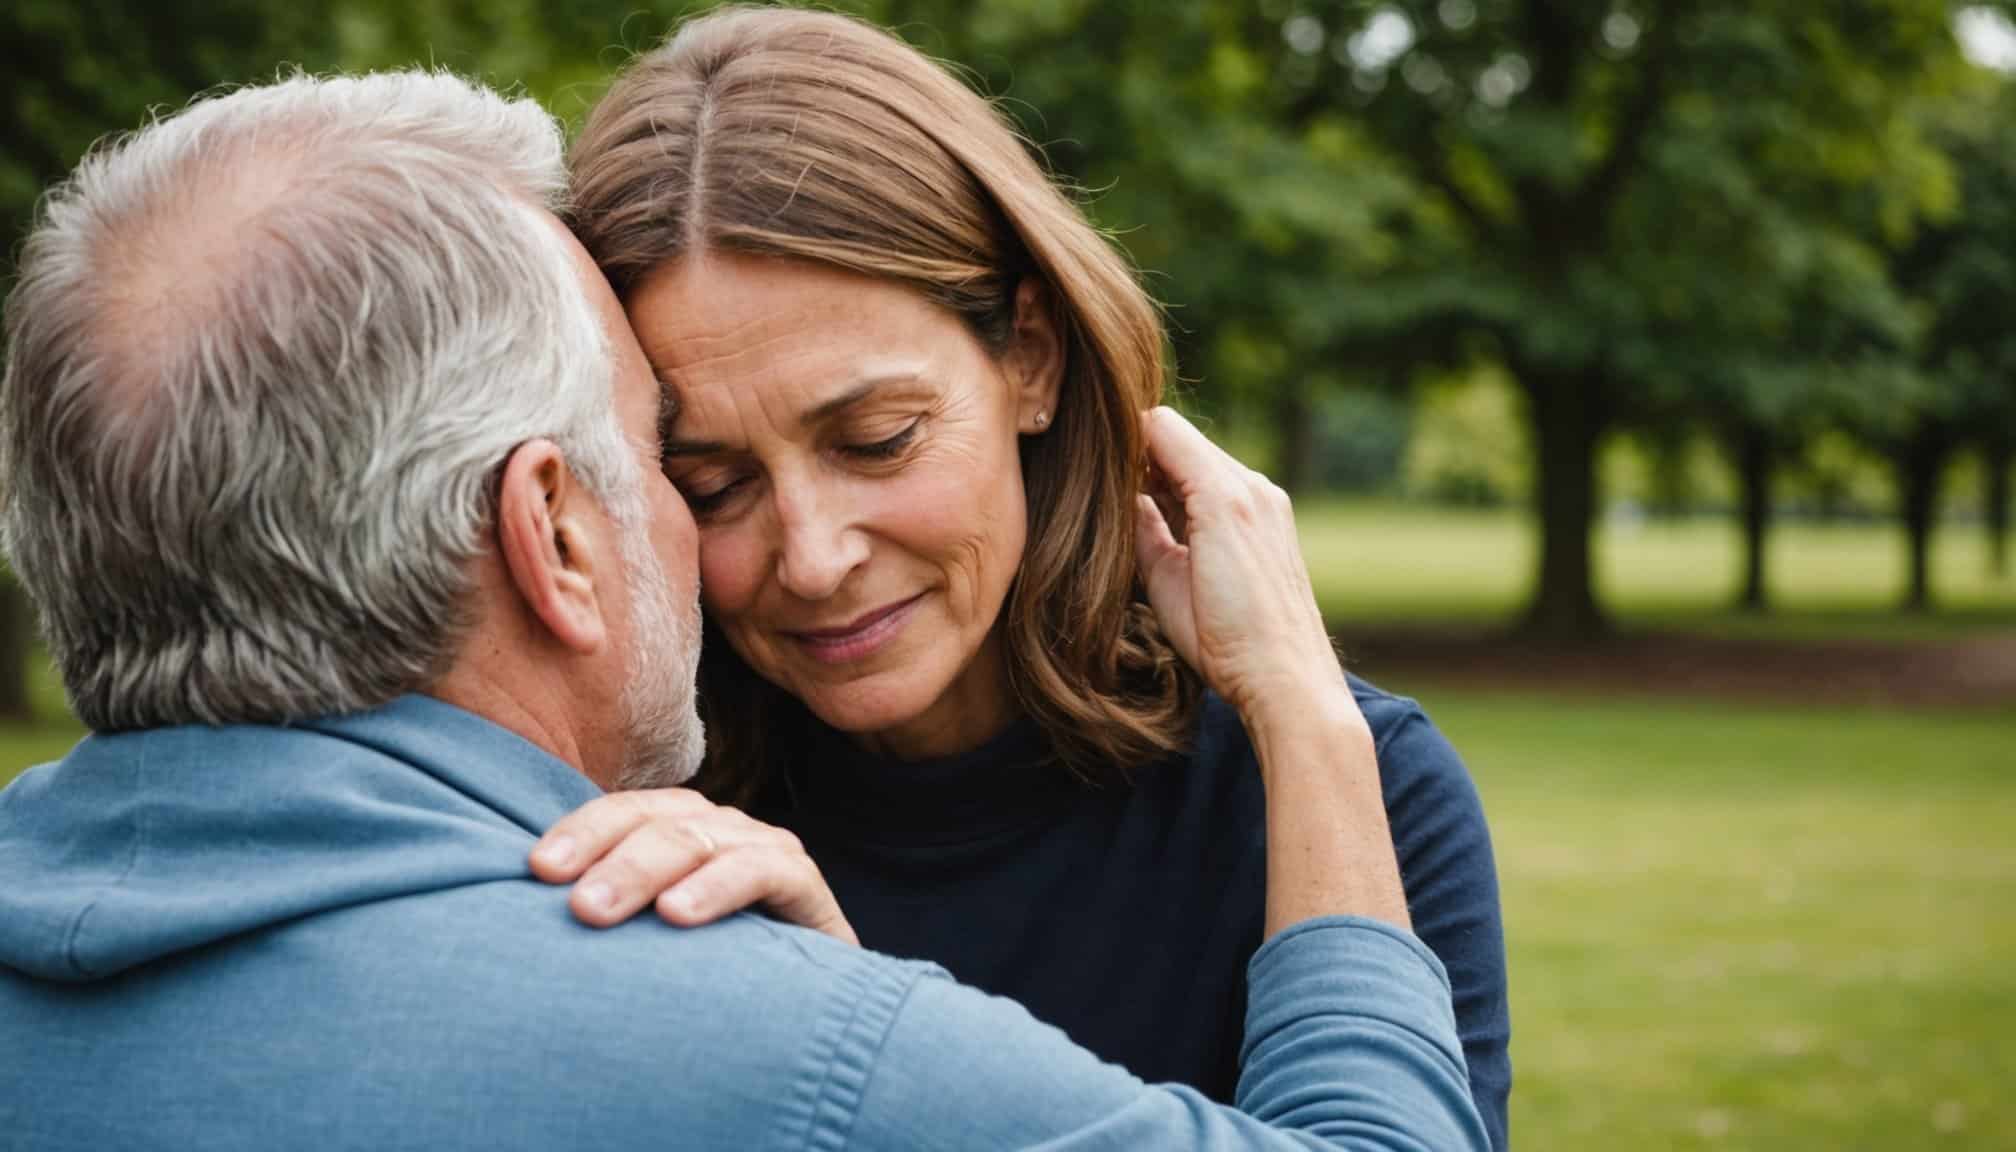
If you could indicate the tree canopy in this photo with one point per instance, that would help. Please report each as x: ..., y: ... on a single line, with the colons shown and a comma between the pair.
x: 1761, y: 220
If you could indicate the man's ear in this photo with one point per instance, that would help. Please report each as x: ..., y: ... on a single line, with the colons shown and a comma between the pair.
x: 543, y: 529
x: 1036, y: 357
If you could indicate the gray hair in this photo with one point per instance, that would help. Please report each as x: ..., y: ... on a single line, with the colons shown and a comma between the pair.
x: 265, y: 357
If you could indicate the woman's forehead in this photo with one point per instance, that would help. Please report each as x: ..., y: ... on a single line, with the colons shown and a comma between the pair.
x: 813, y: 338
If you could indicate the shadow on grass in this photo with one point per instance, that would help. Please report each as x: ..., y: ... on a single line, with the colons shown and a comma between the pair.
x: 1716, y: 657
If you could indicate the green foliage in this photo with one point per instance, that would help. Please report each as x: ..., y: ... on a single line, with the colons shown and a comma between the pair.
x: 1361, y: 440
x: 1470, y: 443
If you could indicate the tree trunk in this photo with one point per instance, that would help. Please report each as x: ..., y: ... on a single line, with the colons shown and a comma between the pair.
x: 15, y: 634
x: 1294, y: 437
x: 1920, y: 466
x: 1753, y: 467
x: 1670, y: 495
x: 1997, y: 460
x: 1566, y: 426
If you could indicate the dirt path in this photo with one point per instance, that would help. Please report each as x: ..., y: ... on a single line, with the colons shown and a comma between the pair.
x: 1975, y: 672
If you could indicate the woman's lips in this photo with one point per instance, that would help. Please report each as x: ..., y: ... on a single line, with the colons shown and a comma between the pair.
x: 860, y: 638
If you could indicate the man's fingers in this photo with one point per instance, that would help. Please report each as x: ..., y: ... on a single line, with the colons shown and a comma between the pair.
x: 789, y: 888
x: 650, y: 859
x: 584, y: 835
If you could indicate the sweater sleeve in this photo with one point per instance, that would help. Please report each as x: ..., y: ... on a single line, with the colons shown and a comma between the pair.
x: 1350, y: 1042
x: 1451, y: 881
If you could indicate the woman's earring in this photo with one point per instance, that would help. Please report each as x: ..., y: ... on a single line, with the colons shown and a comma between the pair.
x: 1042, y: 418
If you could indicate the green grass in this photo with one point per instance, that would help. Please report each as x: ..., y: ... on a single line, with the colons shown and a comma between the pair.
x: 1745, y: 929
x: 1387, y: 563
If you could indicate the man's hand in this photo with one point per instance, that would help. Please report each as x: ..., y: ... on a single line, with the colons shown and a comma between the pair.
x: 694, y: 860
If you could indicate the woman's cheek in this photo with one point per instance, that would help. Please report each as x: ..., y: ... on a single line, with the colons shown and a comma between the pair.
x: 730, y: 570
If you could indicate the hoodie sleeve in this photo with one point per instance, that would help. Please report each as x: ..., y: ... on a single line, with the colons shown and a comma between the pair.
x: 1350, y: 1043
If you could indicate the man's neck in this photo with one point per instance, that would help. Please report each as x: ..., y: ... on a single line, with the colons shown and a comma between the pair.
x: 541, y: 717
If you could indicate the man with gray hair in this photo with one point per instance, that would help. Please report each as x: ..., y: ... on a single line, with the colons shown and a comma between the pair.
x: 331, y: 466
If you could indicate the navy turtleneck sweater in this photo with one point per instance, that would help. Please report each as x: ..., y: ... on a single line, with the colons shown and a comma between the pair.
x: 1126, y: 915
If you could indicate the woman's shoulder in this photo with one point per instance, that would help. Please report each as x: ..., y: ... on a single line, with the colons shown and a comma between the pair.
x: 1412, y: 751
x: 1220, y: 730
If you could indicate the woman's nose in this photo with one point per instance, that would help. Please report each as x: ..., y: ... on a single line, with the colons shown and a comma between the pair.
x: 820, y: 543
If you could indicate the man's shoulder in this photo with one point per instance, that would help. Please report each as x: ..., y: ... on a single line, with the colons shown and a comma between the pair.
x: 744, y: 1031
x: 473, y: 1016
x: 501, y: 939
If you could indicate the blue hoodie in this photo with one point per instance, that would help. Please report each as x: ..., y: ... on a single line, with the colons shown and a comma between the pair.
x: 325, y: 936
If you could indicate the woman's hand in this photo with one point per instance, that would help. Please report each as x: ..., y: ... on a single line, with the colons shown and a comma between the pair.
x: 1224, y: 572
x: 695, y: 860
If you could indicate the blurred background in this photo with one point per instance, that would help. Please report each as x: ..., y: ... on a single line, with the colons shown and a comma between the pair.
x: 1646, y: 378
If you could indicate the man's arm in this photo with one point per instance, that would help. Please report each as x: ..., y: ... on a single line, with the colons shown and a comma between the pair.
x: 1350, y: 1042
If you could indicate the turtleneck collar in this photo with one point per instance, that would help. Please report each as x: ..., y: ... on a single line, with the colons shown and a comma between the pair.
x: 1011, y: 782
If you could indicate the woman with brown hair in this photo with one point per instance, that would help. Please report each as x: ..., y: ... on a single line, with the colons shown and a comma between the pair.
x: 1031, y: 669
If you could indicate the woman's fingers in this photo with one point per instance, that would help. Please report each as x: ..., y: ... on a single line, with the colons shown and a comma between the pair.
x: 1165, y: 574
x: 784, y: 883
x: 1187, y: 459
x: 695, y: 860
x: 1156, y: 488
x: 586, y: 834
x: 1242, y: 613
x: 652, y: 858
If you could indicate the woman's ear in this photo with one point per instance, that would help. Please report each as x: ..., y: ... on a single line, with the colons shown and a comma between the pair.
x: 546, y: 536
x: 1036, y: 357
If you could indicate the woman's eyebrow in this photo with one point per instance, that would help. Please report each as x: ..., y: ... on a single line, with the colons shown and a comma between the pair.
x: 693, y: 448
x: 824, y: 410
x: 863, y: 389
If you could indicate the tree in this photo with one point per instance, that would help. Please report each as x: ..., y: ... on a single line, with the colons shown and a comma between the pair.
x: 1572, y: 154
x: 1961, y: 273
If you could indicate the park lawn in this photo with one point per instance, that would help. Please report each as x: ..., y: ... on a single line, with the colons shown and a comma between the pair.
x: 1385, y: 563
x: 1774, y: 930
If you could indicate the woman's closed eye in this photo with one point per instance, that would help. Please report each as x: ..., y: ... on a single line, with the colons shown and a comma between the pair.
x: 710, y: 491
x: 709, y: 494
x: 886, y: 449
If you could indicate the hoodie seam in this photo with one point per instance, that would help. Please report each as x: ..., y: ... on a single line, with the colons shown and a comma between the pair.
x: 73, y: 938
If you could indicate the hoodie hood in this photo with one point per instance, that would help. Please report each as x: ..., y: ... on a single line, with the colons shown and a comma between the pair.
x: 143, y: 844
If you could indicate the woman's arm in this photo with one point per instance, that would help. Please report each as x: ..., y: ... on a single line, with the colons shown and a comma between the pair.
x: 1349, y: 1045
x: 1223, y: 567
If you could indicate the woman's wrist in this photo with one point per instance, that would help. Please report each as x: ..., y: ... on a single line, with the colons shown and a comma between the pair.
x: 1329, y: 848
x: 1316, y: 698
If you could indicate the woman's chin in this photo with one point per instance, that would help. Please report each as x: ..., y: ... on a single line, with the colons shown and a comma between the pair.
x: 865, y: 709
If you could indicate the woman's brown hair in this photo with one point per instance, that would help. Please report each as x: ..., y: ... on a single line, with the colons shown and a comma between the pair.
x: 814, y: 136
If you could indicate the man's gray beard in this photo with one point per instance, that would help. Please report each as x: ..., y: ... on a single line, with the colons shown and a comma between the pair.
x: 662, y: 734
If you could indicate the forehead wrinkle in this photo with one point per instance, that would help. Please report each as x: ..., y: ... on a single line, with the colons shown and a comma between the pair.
x: 762, y: 373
